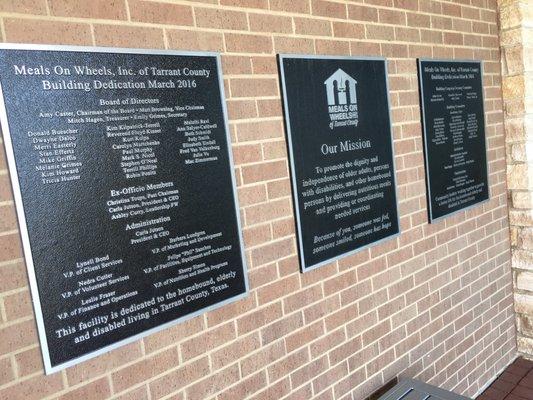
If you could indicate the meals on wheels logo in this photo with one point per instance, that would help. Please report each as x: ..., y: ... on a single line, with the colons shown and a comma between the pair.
x: 342, y: 99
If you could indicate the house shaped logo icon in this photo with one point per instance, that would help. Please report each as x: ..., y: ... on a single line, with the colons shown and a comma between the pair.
x: 340, y: 89
x: 341, y: 95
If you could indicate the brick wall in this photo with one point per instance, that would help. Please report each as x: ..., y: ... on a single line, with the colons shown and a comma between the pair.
x: 435, y: 303
x: 516, y: 21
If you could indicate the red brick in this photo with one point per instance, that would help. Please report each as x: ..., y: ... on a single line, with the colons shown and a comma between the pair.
x: 281, y: 328
x: 127, y: 36
x: 376, y: 332
x: 302, y: 299
x: 98, y: 9
x: 278, y: 289
x: 18, y: 305
x: 144, y: 369
x: 17, y: 336
x: 245, y: 387
x: 160, y: 13
x: 140, y: 393
x: 267, y: 212
x: 285, y: 44
x: 303, y: 393
x: 309, y: 372
x: 328, y: 9
x: 258, y: 318
x: 273, y: 150
x: 253, y: 87
x: 365, y: 49
x: 95, y: 390
x: 257, y: 235
x: 270, y: 23
x: 34, y: 388
x: 288, y: 364
x: 360, y: 358
x: 340, y: 353
x: 213, y: 383
x: 391, y: 17
x: 273, y: 251
x: 29, y: 362
x: 230, y: 311
x: 6, y: 371
x: 8, y: 218
x: 277, y: 189
x: 244, y: 43
x: 304, y: 336
x: 47, y: 32
x: 312, y: 26
x: 379, y: 32
x: 246, y: 154
x: 235, y: 350
x: 249, y: 195
x: 181, y: 39
x: 362, y: 13
x: 13, y: 275
x: 281, y: 229
x: 179, y: 378
x: 259, y: 130
x: 275, y: 391
x: 329, y: 377
x: 264, y: 65
x: 221, y: 19
x: 245, y: 3
x: 351, y: 381
x: 348, y: 30
x: 235, y: 65
x: 332, y: 47
x: 265, y: 356
x: 344, y: 315
x: 321, y: 309
x: 104, y: 363
x: 207, y: 341
x: 293, y: 6
x: 241, y: 109
x: 23, y: 6
x: 173, y: 335
x: 269, y: 108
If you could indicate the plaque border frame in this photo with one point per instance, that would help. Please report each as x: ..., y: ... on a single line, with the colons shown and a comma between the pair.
x: 21, y: 218
x: 294, y: 187
x: 419, y: 62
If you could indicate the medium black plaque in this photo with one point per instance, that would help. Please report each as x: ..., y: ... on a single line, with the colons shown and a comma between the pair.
x: 341, y: 154
x: 451, y: 96
x: 121, y: 167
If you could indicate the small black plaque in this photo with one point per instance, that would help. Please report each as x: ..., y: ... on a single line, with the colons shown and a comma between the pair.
x: 341, y: 155
x: 451, y: 96
x: 121, y: 167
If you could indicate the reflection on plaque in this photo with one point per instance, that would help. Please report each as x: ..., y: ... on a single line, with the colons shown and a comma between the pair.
x: 123, y: 181
x: 451, y: 96
x: 341, y: 155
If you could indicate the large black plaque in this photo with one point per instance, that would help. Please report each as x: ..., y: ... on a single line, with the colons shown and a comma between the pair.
x: 451, y: 96
x: 123, y: 179
x: 341, y: 154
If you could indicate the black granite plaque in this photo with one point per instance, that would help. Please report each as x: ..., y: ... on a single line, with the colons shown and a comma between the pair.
x: 451, y: 97
x: 341, y: 154
x: 123, y: 180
